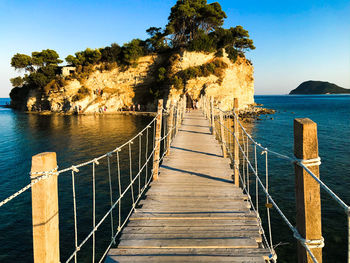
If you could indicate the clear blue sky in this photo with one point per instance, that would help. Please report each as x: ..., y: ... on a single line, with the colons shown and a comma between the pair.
x: 295, y: 40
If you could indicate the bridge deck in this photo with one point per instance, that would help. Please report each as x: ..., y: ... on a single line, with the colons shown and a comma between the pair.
x: 193, y: 213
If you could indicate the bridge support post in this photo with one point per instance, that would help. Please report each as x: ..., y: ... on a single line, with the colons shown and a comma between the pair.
x: 184, y: 101
x: 178, y: 116
x: 170, y: 127
x: 235, y: 143
x: 212, y: 115
x: 308, y: 202
x: 45, y: 209
x: 222, y: 135
x: 157, y: 140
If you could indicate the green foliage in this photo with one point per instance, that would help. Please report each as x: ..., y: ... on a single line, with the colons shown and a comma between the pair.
x: 188, y: 17
x: 72, y: 60
x: 214, y: 67
x: 110, y: 54
x: 22, y: 61
x: 17, y: 81
x: 42, y: 68
x: 83, y: 92
x: 178, y: 83
x: 131, y: 51
x: 161, y: 74
x: 203, y: 42
x: 84, y: 58
x: 18, y: 94
x: 157, y: 41
x: 234, y: 40
x: 45, y: 57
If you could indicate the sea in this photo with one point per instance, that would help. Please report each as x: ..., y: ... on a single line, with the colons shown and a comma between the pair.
x: 76, y: 139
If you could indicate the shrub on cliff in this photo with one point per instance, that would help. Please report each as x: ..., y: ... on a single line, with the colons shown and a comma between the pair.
x: 83, y: 92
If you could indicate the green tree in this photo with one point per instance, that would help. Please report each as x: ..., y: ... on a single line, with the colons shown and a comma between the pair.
x: 72, y: 60
x: 22, y: 61
x: 45, y: 57
x: 17, y: 81
x: 132, y: 51
x: 110, y: 53
x: 92, y: 56
x: 188, y: 17
x: 157, y: 41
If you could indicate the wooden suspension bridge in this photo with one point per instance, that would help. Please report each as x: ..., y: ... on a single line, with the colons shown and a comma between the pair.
x: 195, y: 206
x: 193, y: 212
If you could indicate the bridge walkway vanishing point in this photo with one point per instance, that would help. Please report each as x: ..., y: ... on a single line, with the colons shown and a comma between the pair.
x: 193, y: 212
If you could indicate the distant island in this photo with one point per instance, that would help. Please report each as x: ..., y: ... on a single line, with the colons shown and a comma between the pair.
x: 318, y: 87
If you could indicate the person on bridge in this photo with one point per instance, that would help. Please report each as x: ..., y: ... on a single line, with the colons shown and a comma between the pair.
x: 189, y: 103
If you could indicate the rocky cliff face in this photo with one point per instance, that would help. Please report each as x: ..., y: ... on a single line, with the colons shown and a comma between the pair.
x: 123, y: 88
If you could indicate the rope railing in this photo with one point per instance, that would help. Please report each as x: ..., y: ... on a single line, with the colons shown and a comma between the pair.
x: 147, y: 143
x: 229, y: 136
x: 133, y: 179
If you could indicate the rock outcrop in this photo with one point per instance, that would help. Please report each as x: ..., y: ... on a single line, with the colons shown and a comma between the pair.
x: 122, y: 88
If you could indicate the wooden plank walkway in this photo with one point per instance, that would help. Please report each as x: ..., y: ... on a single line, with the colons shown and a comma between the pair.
x: 193, y: 213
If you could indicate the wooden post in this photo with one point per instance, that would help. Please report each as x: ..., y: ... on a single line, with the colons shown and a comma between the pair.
x: 222, y: 134
x: 235, y: 144
x: 184, y: 101
x: 212, y: 115
x: 208, y: 109
x: 170, y: 125
x: 45, y: 210
x: 177, y: 116
x: 157, y: 140
x: 308, y: 202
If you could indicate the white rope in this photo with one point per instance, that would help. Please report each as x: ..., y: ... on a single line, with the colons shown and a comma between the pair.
x: 296, y: 234
x: 299, y: 162
x: 120, y: 194
x: 110, y: 192
x: 111, y: 209
x: 40, y: 176
x: 130, y: 175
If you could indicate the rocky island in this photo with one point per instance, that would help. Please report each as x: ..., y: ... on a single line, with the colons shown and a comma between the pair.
x: 192, y: 55
x: 318, y: 87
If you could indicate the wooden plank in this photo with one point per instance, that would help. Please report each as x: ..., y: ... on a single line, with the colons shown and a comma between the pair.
x: 236, y: 242
x: 183, y: 259
x: 208, y: 222
x: 191, y: 251
x: 176, y: 229
x: 196, y: 235
x: 190, y: 216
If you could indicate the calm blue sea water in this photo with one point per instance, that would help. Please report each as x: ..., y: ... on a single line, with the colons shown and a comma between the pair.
x: 79, y: 138
x: 332, y: 115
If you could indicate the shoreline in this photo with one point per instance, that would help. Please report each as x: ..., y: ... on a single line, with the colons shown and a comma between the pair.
x: 140, y: 113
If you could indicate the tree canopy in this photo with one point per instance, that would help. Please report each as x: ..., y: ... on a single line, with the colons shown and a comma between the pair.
x: 189, y: 17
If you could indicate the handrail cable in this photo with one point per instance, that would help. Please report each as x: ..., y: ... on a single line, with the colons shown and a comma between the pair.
x: 302, y: 163
x: 168, y: 134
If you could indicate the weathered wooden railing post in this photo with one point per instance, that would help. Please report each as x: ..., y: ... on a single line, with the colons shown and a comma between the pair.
x: 170, y: 127
x: 45, y: 209
x: 212, y: 115
x: 157, y: 140
x: 308, y: 202
x: 183, y: 106
x: 235, y: 143
x: 208, y: 109
x: 222, y: 135
x: 178, y: 116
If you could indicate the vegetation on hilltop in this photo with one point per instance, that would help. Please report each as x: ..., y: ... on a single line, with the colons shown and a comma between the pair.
x: 193, y: 25
x: 319, y: 87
